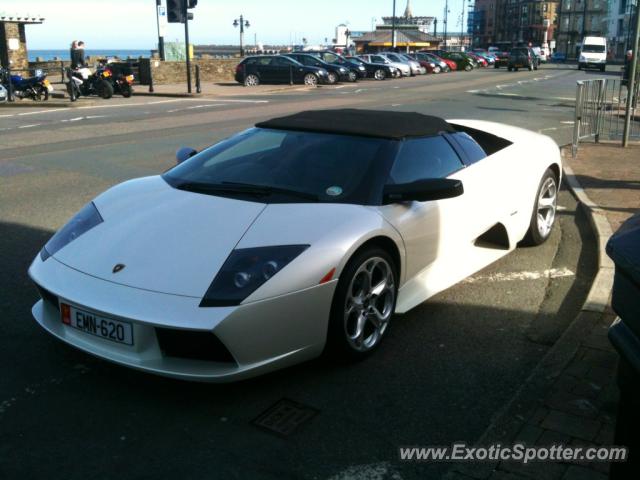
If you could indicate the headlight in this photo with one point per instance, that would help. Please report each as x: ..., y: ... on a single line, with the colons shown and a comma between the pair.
x: 342, y: 70
x: 245, y: 270
x: 582, y: 59
x: 84, y: 220
x: 361, y: 68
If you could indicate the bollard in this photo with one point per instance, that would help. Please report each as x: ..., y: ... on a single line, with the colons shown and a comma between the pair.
x: 290, y: 74
x: 150, y: 80
x: 198, y: 89
x: 9, y: 84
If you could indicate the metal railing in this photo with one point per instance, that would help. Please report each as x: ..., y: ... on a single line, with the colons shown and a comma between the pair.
x: 600, y: 111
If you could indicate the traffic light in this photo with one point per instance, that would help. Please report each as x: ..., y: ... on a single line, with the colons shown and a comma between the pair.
x: 175, y: 11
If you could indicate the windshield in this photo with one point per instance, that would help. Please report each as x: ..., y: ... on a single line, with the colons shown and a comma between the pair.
x: 393, y: 57
x: 295, y: 166
x: 593, y: 48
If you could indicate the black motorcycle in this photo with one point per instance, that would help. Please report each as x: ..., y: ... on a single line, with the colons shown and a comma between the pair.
x: 35, y: 88
x: 83, y: 82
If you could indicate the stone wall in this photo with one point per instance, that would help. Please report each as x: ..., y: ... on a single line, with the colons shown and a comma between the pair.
x: 17, y: 59
x: 211, y: 70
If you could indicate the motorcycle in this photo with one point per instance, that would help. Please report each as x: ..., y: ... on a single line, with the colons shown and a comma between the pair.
x: 83, y: 82
x: 121, y: 83
x: 35, y: 88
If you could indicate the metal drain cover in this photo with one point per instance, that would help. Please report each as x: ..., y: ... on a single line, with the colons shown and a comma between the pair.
x: 285, y: 417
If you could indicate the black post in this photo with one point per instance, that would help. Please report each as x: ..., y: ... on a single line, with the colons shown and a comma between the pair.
x: 150, y: 78
x: 290, y: 74
x: 61, y: 71
x: 186, y: 41
x: 160, y: 37
x: 446, y: 18
x: 393, y: 27
x: 198, y: 89
x: 241, y: 36
x: 9, y: 84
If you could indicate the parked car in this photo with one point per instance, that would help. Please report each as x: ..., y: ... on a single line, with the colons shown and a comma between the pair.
x: 522, y: 57
x: 4, y: 95
x: 336, y: 73
x: 278, y: 69
x: 463, y: 62
x: 450, y: 63
x: 428, y: 63
x: 489, y: 57
x: 298, y: 237
x: 414, y: 66
x: 403, y: 68
x: 541, y: 54
x: 558, y: 57
x: 379, y: 71
x: 479, y: 59
x: 441, y: 62
x: 334, y: 58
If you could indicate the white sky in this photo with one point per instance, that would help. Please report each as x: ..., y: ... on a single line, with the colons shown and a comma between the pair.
x: 131, y: 24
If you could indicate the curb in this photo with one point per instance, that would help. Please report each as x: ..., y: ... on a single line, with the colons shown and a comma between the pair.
x: 32, y: 104
x: 512, y: 417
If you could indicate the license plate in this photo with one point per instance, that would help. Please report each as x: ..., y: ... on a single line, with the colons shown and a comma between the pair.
x: 107, y: 328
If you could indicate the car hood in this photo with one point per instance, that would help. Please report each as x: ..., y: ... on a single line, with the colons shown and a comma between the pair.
x: 169, y: 240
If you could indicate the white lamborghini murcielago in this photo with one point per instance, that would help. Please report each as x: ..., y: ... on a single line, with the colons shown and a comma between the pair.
x: 300, y: 236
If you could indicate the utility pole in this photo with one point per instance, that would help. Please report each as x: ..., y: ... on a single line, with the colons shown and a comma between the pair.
x: 632, y: 80
x: 161, y: 17
x: 446, y: 17
x: 186, y: 41
x: 393, y: 27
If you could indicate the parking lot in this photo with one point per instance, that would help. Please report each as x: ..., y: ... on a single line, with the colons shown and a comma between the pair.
x: 444, y: 372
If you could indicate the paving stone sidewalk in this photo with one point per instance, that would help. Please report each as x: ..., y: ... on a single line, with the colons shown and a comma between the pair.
x: 572, y: 397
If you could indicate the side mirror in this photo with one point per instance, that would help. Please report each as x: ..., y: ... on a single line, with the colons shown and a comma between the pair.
x: 184, y: 153
x: 422, y: 190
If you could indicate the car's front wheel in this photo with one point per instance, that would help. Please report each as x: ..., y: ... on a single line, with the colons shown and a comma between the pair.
x: 379, y: 74
x: 332, y: 77
x: 544, y: 211
x: 363, y: 303
x: 311, y: 80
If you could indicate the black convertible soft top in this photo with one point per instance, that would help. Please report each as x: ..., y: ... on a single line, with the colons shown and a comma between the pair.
x: 368, y: 123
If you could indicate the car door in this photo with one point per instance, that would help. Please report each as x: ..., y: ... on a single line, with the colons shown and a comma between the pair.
x: 264, y: 69
x: 284, y: 69
x: 427, y: 228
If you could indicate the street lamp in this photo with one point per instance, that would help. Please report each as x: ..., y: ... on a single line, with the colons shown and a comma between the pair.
x: 347, y: 34
x: 242, y: 23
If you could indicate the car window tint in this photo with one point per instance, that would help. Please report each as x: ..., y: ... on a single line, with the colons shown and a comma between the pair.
x: 422, y: 158
x: 377, y: 58
x: 252, y: 144
x: 472, y: 150
x: 282, y: 62
x: 264, y: 61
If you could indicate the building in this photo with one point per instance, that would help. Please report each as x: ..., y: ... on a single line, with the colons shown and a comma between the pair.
x: 13, y: 40
x: 411, y: 34
x: 455, y: 40
x: 620, y: 25
x: 579, y: 19
x: 481, y: 22
x: 522, y: 21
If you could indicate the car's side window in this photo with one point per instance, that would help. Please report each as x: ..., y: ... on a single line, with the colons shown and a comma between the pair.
x: 423, y: 158
x: 472, y: 151
x: 264, y: 61
x: 281, y: 62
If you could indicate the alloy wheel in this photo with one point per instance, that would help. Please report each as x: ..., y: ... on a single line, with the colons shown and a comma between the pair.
x: 310, y: 79
x: 369, y: 304
x: 546, y: 208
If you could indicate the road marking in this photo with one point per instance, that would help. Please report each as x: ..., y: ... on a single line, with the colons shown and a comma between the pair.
x: 30, y: 126
x: 231, y: 100
x: 42, y: 111
x: 513, y: 276
x: 568, y: 122
x: 396, y: 104
x: 161, y: 101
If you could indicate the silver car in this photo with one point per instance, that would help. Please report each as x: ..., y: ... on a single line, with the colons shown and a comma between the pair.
x: 414, y: 67
x: 403, y: 68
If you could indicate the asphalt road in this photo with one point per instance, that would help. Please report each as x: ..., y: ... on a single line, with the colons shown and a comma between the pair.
x: 445, y: 370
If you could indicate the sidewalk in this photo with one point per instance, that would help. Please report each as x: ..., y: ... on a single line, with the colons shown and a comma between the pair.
x: 571, y: 398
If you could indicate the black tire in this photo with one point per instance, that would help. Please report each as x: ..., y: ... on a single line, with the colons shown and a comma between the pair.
x: 332, y: 78
x: 338, y: 345
x: 105, y: 89
x: 534, y: 235
x: 379, y: 74
x: 126, y: 90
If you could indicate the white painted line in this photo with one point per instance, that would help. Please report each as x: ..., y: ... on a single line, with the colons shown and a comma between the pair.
x: 43, y: 111
x: 96, y: 116
x: 233, y: 100
x: 396, y: 104
x: 159, y: 101
x: 3, y: 116
x: 513, y: 276
x: 30, y: 126
x: 547, y: 129
x: 205, y: 106
x: 568, y: 122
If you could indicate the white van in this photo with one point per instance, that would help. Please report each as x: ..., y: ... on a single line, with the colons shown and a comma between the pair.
x: 593, y: 53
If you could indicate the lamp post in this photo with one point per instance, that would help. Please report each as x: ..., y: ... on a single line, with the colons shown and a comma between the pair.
x: 393, y: 27
x: 242, y: 23
x: 347, y: 34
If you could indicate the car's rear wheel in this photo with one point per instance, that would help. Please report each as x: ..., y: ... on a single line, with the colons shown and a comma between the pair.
x: 379, y: 74
x: 363, y: 304
x: 544, y: 211
x: 251, y: 80
x: 353, y: 76
x: 311, y: 80
x: 437, y: 69
x: 467, y: 68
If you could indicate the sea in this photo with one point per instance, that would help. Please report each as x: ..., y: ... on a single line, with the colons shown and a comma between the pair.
x: 63, y: 54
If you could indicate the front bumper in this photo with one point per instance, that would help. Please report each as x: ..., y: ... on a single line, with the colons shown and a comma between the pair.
x: 260, y: 336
